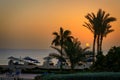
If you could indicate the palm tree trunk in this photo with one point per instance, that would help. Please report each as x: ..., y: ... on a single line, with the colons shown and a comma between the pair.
x: 94, y: 48
x: 61, y: 65
x: 98, y: 45
x: 101, y: 40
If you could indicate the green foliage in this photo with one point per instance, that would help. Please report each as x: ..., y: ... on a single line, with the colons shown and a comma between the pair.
x: 84, y: 76
x: 113, y: 59
x: 110, y: 62
x: 74, y: 52
x: 99, y: 65
x: 57, y: 56
x: 61, y: 37
x: 70, y: 49
x: 58, y: 42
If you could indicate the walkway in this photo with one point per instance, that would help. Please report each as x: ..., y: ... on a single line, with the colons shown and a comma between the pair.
x: 22, y: 76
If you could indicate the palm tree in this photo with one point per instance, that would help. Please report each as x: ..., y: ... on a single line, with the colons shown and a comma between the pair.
x: 100, y: 26
x: 74, y: 52
x: 104, y: 34
x: 60, y: 38
x: 92, y: 27
x: 105, y: 27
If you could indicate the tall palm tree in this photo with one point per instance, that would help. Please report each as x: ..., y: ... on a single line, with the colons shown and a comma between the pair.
x: 74, y: 52
x: 60, y: 38
x: 92, y: 27
x: 100, y: 26
x: 105, y: 27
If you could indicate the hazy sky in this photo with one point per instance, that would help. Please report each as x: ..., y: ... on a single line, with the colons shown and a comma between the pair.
x: 29, y: 24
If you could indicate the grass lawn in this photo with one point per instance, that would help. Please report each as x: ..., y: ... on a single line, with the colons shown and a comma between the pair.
x: 84, y: 76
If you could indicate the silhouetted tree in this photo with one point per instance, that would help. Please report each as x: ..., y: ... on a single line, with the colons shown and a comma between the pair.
x: 74, y: 52
x: 99, y: 25
x: 59, y: 40
x: 99, y: 65
x: 92, y: 27
x: 110, y: 62
x: 113, y: 59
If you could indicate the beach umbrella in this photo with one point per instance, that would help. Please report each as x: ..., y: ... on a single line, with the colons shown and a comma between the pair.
x: 31, y: 59
x: 28, y: 58
x: 15, y: 59
x: 11, y: 57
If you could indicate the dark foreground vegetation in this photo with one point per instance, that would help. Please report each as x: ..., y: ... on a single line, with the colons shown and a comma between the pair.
x: 52, y: 71
x: 109, y: 62
x: 82, y: 76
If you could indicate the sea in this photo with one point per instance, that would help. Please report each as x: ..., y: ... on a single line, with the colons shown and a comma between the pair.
x: 37, y: 54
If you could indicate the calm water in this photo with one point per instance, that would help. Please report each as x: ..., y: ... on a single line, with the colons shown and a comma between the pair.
x: 36, y: 54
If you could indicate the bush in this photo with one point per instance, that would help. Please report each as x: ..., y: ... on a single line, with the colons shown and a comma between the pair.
x: 109, y: 62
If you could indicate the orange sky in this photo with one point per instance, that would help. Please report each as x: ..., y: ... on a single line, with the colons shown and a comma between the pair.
x: 28, y: 24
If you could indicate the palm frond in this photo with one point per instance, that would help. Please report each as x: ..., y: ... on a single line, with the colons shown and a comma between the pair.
x: 93, y: 15
x: 61, y: 31
x: 89, y: 26
x: 108, y: 31
x: 54, y: 55
x: 106, y: 16
x: 89, y: 18
x: 66, y: 33
x: 57, y: 56
x: 110, y: 19
x: 56, y: 41
x: 102, y: 15
x: 55, y: 33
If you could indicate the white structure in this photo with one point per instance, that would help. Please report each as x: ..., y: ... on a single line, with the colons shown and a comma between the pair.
x: 65, y: 65
x: 48, y: 63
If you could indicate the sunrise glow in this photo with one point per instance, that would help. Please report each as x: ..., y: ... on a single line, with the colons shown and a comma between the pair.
x: 87, y: 45
x: 30, y: 24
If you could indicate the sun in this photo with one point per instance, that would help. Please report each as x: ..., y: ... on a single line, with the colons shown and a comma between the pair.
x: 87, y: 45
